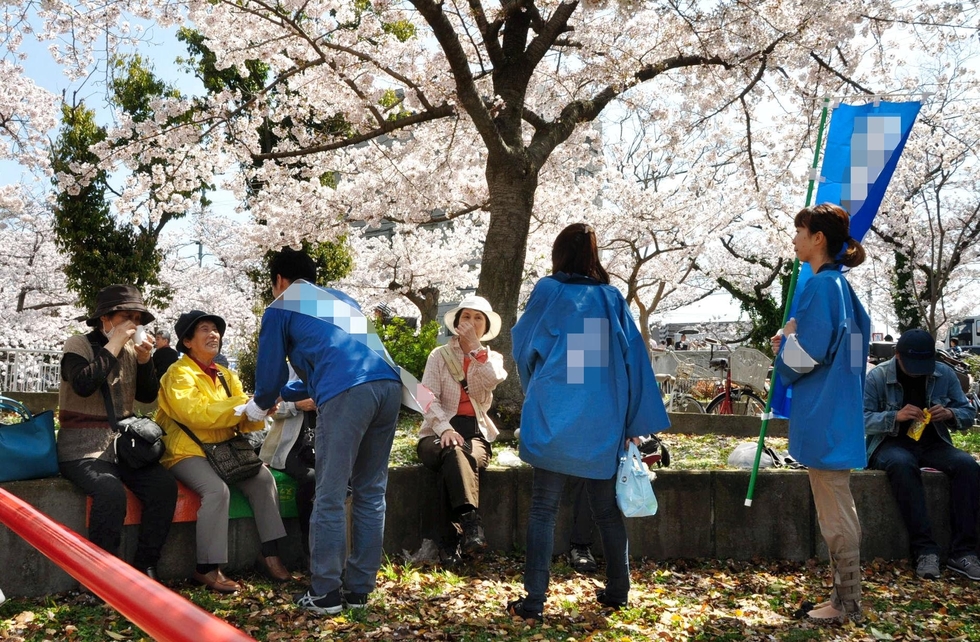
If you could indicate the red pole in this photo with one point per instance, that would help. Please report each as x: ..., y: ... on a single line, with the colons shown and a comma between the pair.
x: 161, y: 613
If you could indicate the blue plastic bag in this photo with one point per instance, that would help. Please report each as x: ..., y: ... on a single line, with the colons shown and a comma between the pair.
x: 634, y: 490
x: 27, y: 448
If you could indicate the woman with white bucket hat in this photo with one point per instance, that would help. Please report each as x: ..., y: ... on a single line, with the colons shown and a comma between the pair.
x: 455, y: 437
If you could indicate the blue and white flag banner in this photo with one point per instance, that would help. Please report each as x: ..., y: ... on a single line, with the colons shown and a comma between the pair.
x: 862, y: 150
x: 305, y: 298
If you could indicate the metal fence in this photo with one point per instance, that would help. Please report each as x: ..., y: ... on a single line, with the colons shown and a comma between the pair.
x: 29, y: 370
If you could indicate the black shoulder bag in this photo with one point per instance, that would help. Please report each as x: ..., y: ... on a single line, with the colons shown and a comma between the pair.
x: 234, y: 459
x: 139, y: 441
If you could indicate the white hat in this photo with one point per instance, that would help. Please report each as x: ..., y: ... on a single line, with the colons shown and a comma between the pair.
x: 479, y: 304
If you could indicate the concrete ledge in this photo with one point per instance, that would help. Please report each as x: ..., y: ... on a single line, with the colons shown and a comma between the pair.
x: 698, y: 424
x: 28, y: 573
x: 702, y: 515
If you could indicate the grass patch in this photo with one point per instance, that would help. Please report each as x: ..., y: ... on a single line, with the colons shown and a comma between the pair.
x: 968, y: 440
x: 687, y: 452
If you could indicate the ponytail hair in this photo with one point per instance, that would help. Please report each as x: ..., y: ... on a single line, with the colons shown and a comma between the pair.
x: 835, y: 223
x: 852, y: 255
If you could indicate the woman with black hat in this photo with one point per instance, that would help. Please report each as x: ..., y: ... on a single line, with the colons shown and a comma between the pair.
x: 202, y: 396
x: 110, y: 356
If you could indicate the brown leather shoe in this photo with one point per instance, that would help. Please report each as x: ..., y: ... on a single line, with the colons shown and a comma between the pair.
x: 216, y: 581
x: 274, y: 568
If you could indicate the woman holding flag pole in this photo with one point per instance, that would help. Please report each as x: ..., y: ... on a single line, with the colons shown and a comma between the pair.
x: 822, y: 352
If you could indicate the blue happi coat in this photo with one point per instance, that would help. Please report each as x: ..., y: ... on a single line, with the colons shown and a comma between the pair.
x: 586, y: 375
x: 328, y: 341
x: 826, y: 418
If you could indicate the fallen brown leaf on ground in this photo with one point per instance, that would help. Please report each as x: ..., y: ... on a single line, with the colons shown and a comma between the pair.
x: 676, y: 600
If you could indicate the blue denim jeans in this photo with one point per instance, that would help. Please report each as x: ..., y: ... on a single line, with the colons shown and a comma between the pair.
x: 354, y: 432
x: 545, y: 498
x: 902, y: 458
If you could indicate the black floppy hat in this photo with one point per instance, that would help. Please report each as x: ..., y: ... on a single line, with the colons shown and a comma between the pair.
x: 186, y: 323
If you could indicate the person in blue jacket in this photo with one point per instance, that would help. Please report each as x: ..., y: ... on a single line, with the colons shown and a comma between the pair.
x: 344, y: 368
x: 822, y: 352
x: 589, y: 388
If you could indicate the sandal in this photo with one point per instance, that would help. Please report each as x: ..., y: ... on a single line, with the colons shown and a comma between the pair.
x: 829, y: 614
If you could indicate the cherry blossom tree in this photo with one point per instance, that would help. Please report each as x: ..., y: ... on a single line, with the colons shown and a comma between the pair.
x: 926, y: 235
x: 424, y: 265
x: 36, y: 310
x: 423, y: 107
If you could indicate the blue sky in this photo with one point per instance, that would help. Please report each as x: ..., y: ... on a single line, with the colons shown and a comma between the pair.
x: 161, y: 48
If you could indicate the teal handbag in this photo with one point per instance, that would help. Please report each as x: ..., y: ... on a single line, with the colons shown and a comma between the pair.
x: 634, y: 490
x: 27, y: 448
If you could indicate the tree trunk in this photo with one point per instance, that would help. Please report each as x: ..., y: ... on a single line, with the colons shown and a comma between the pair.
x: 426, y: 300
x: 512, y: 186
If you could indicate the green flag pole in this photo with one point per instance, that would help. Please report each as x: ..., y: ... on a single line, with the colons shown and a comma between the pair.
x: 789, y: 303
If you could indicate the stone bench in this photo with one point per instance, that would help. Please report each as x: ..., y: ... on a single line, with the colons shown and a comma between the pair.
x: 702, y: 515
x: 28, y: 573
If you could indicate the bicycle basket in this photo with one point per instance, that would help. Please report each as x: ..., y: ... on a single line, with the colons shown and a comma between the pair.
x: 689, y: 374
x: 750, y: 368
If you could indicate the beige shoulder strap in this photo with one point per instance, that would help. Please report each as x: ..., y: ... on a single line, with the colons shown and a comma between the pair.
x: 455, y: 367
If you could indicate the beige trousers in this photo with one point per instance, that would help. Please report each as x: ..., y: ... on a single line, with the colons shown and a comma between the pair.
x: 212, y: 517
x: 841, y: 531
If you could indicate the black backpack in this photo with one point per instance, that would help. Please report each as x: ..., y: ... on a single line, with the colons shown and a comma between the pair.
x: 654, y: 451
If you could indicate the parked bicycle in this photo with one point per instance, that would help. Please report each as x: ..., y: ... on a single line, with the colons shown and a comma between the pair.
x: 675, y: 398
x: 676, y: 378
x: 739, y: 396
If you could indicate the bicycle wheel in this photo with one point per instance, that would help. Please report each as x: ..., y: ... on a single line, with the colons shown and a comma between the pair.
x: 743, y: 403
x: 688, y: 404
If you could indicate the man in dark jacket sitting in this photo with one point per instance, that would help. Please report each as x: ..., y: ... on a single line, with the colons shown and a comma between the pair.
x: 911, y: 402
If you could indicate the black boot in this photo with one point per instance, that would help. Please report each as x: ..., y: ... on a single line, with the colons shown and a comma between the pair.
x: 473, y: 539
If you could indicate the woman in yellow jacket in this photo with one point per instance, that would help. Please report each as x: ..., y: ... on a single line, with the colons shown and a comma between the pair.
x: 203, y: 396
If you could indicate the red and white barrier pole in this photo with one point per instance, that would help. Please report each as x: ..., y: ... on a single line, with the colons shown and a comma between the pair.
x: 161, y: 613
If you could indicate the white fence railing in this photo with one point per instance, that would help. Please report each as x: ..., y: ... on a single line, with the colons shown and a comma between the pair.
x: 29, y: 370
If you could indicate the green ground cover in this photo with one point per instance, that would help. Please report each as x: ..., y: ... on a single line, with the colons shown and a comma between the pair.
x: 687, y: 452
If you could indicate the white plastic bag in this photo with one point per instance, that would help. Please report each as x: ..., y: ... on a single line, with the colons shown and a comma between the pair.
x: 634, y: 489
x: 427, y: 553
x: 744, y: 457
